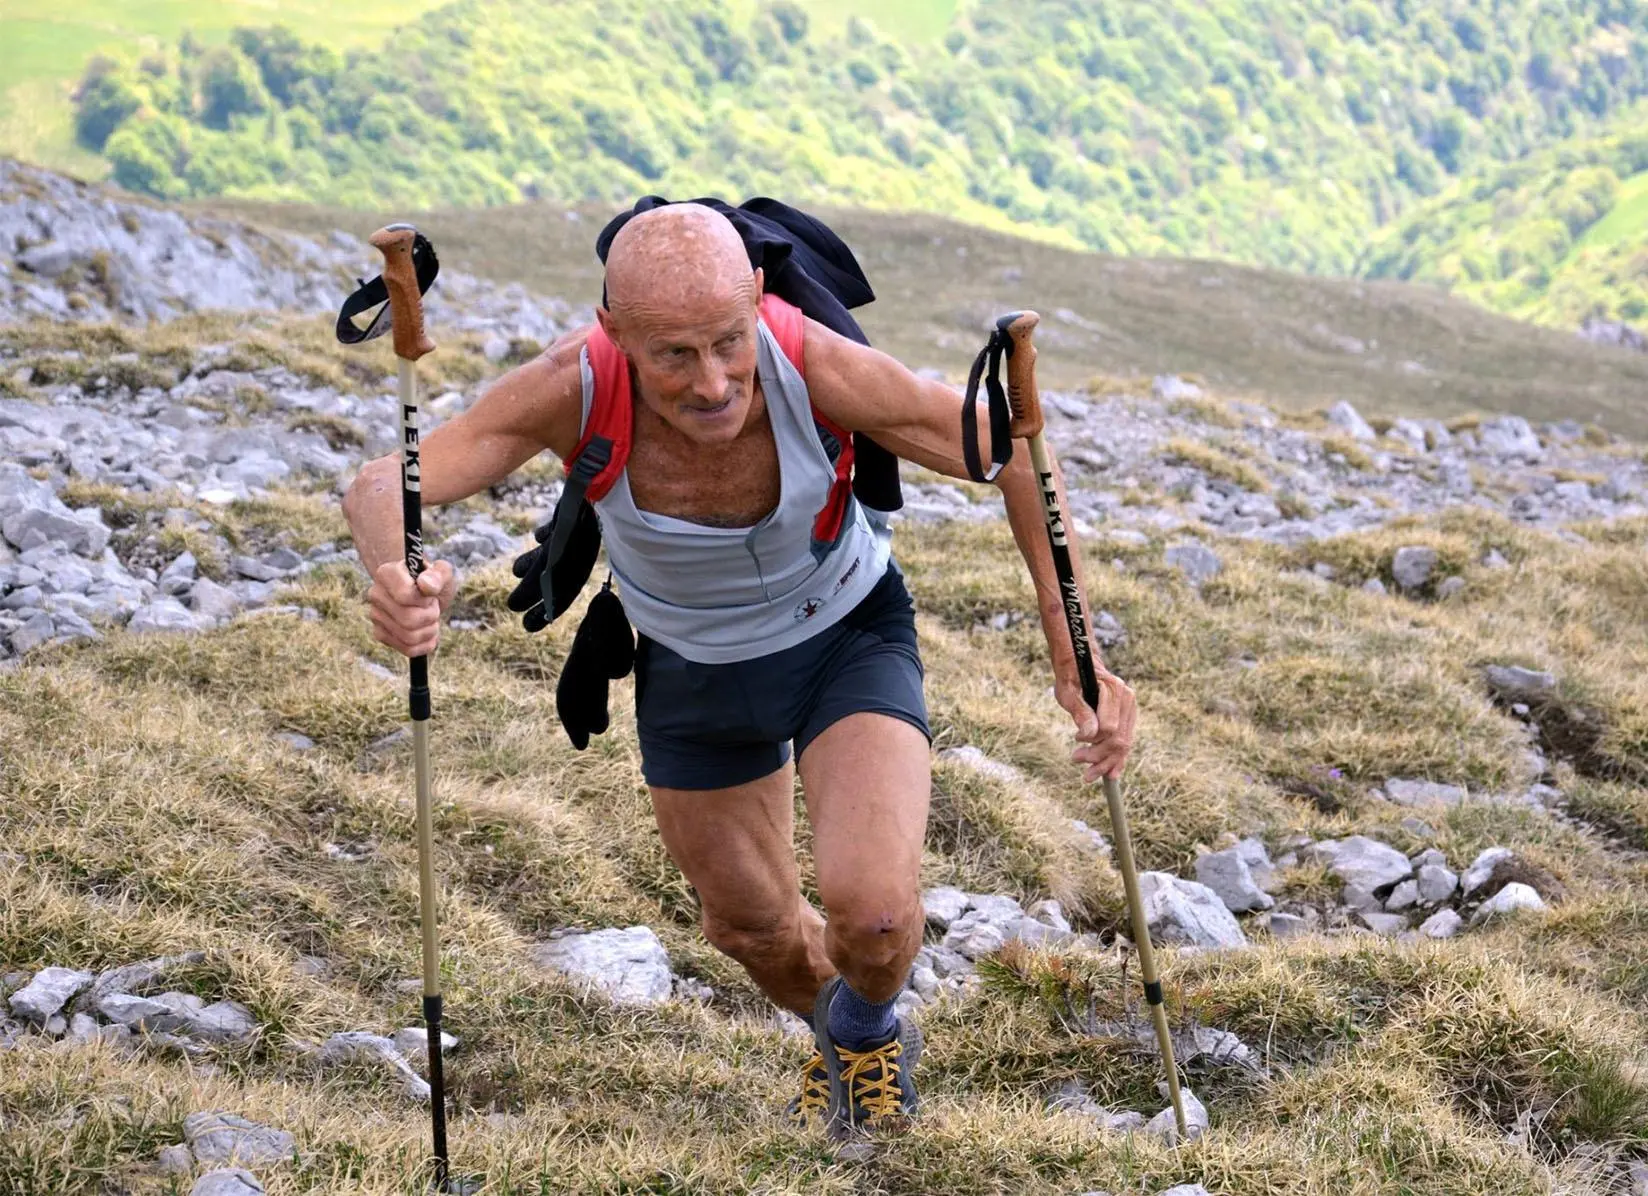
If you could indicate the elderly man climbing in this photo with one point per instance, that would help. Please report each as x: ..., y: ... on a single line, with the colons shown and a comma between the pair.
x: 766, y: 622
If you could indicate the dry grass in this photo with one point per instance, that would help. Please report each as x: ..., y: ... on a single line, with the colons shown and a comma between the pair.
x: 152, y: 809
x: 1216, y: 461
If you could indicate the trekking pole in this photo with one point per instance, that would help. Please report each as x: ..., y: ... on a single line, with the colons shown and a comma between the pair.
x: 1025, y: 402
x: 402, y: 280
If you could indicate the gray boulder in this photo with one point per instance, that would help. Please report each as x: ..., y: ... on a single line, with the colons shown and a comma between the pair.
x: 1194, y: 559
x: 1228, y: 874
x: 1443, y: 924
x: 1366, y: 863
x: 1404, y: 896
x: 1513, y: 683
x: 1481, y: 869
x: 357, y: 1046
x: 212, y: 601
x: 1166, y: 1127
x: 1385, y: 924
x: 1287, y: 926
x: 1509, y: 437
x: 630, y: 965
x: 972, y: 936
x: 1413, y: 565
x: 163, y: 615
x: 1406, y: 792
x: 1187, y: 913
x: 1513, y: 897
x: 219, y: 1137
x: 1345, y: 417
x: 1187, y: 1190
x: 227, y: 1182
x: 1436, y: 884
x: 45, y: 995
x: 135, y: 1013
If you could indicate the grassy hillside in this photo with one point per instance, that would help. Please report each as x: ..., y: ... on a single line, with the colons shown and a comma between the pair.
x: 1388, y: 347
x: 1282, y: 134
x: 1557, y: 237
x: 150, y: 807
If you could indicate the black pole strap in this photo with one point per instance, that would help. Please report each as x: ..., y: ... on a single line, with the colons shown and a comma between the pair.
x: 1001, y: 417
x: 375, y: 294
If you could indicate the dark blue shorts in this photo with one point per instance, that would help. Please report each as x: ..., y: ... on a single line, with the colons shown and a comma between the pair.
x: 709, y: 726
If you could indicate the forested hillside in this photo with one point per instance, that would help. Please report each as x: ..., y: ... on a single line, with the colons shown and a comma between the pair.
x: 1558, y: 237
x: 1284, y: 133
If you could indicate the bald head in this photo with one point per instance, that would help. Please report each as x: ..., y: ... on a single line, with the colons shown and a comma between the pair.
x: 681, y: 306
x: 674, y: 261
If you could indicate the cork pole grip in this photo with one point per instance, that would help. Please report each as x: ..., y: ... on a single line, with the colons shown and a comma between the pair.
x: 405, y: 302
x: 1023, y: 399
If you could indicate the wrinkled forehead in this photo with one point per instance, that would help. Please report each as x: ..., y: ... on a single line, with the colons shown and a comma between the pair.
x: 676, y: 259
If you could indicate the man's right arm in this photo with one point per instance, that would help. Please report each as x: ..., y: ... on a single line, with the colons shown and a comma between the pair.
x: 536, y: 406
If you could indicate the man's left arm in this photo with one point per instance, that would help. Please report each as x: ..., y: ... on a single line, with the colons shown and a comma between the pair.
x: 865, y: 390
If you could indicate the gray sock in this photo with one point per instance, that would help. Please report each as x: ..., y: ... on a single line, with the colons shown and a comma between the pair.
x: 856, y: 1023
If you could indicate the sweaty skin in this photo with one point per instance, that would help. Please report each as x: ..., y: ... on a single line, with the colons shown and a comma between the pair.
x: 682, y: 306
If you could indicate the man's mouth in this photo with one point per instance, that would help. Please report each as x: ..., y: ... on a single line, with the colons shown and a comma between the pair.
x: 705, y: 412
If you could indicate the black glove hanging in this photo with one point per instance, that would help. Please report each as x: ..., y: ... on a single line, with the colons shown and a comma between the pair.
x: 602, y: 651
x: 564, y: 580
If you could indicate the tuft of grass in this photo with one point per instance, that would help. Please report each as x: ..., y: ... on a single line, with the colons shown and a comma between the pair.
x: 1216, y: 462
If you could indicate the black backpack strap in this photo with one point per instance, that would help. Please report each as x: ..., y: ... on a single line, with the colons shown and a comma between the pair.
x: 589, y: 463
x: 373, y: 294
x: 1001, y: 437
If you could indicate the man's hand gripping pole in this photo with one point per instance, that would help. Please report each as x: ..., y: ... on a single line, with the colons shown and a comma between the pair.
x: 1024, y: 402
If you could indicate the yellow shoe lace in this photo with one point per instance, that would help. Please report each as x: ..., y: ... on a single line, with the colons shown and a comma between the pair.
x: 815, y: 1091
x: 871, y: 1079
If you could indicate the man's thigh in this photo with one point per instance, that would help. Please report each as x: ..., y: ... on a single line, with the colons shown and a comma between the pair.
x: 735, y: 846
x: 868, y: 779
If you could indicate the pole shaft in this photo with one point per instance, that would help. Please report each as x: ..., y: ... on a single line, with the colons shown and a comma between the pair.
x: 1041, y: 460
x: 419, y: 704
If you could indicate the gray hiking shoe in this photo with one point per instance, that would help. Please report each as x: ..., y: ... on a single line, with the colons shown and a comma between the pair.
x: 870, y: 1089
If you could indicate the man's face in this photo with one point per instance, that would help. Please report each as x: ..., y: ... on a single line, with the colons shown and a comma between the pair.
x: 695, y: 366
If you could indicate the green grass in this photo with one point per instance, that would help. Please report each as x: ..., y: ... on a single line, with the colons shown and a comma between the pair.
x: 1627, y: 222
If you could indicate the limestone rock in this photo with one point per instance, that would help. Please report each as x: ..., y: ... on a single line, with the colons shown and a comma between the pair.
x: 1406, y: 792
x: 1166, y: 1127
x: 1368, y: 863
x: 943, y: 905
x: 1513, y: 683
x: 1412, y: 566
x: 1228, y: 874
x: 1513, y: 897
x: 219, y: 1137
x: 629, y: 965
x: 227, y: 1182
x: 1443, y: 924
x: 1187, y: 913
x: 1481, y: 869
x: 1194, y: 559
x: 51, y: 988
x: 1436, y: 884
x: 356, y: 1046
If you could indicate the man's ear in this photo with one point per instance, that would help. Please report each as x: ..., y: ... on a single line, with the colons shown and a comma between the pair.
x: 760, y: 285
x: 608, y: 323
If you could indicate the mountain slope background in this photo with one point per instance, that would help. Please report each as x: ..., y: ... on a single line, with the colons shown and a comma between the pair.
x: 1284, y: 134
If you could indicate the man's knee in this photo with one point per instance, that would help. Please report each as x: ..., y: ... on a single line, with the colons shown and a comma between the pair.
x: 753, y: 938
x: 878, y: 931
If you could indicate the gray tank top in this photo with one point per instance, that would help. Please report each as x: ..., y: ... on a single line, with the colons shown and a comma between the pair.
x: 717, y: 595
